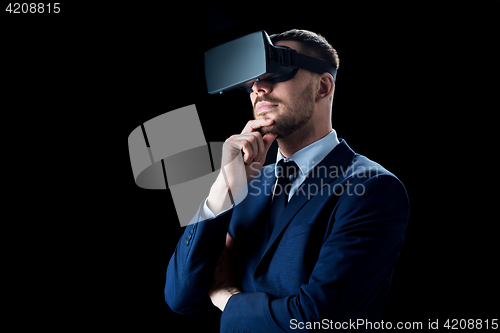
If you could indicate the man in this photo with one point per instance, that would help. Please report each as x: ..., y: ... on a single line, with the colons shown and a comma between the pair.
x: 312, y: 248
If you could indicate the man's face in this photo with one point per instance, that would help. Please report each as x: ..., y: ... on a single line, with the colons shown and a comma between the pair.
x: 290, y: 103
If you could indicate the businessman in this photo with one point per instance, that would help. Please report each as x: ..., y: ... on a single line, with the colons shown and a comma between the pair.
x: 314, y: 242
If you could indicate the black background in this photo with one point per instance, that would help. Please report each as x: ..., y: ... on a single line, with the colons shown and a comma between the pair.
x: 410, y: 94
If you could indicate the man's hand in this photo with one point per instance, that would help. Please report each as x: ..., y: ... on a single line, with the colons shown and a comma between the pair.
x: 237, y: 171
x: 223, y: 284
x: 253, y: 145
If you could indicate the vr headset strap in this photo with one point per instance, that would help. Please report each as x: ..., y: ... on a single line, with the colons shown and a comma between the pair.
x: 315, y: 65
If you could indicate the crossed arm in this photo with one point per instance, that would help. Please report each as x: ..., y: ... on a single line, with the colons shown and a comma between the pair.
x: 224, y: 284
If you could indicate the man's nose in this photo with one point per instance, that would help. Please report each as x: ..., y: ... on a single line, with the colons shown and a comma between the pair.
x: 262, y: 87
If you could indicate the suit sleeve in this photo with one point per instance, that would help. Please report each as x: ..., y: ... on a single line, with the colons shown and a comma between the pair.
x: 354, y: 262
x: 191, y: 267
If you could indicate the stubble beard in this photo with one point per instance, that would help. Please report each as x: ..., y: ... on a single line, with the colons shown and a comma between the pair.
x: 290, y: 119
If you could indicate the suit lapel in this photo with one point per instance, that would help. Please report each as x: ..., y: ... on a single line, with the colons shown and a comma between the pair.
x: 333, y: 165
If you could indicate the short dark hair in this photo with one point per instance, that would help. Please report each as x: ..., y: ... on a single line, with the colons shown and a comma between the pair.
x: 314, y: 44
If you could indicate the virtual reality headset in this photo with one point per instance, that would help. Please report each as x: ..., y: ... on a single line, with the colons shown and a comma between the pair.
x: 243, y: 61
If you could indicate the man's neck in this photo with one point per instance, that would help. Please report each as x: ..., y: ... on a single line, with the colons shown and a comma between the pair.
x: 295, y: 142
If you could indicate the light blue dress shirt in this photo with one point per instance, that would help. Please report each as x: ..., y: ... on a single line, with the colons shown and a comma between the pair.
x: 307, y: 158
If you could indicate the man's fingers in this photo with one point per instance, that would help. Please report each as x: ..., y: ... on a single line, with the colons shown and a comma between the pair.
x: 260, y: 143
x: 250, y: 147
x: 253, y: 125
x: 250, y: 143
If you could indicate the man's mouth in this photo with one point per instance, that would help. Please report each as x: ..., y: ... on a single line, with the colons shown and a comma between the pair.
x: 264, y: 107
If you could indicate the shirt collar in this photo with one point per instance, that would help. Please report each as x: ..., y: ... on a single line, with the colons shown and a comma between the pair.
x: 310, y: 156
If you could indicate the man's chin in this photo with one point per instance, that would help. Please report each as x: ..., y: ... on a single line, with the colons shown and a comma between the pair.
x: 270, y: 129
x: 266, y: 129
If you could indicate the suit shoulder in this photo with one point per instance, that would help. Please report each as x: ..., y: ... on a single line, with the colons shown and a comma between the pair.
x: 364, y: 170
x: 373, y: 189
x: 362, y: 167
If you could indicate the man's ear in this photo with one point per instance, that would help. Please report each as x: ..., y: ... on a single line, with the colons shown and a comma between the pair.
x: 326, y: 85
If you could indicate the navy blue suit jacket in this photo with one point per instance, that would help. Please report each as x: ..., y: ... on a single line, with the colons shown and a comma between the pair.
x: 330, y: 256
